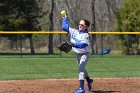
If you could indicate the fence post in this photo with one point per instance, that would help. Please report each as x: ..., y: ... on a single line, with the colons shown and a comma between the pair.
x: 20, y: 46
x: 60, y: 43
x: 101, y: 44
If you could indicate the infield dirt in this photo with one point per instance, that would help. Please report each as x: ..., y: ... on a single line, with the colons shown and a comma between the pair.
x: 102, y: 85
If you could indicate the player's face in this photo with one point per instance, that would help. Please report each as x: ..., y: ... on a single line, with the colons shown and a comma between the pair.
x: 82, y: 25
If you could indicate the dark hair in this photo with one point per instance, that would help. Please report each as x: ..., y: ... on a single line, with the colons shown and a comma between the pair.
x: 87, y: 23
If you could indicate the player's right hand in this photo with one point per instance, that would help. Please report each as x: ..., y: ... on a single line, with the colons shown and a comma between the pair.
x: 63, y: 13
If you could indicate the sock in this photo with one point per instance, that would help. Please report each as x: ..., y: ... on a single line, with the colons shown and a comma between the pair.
x: 81, y: 84
x: 88, y: 79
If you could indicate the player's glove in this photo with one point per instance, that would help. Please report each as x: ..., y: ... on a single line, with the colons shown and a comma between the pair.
x: 65, y: 46
x: 63, y: 13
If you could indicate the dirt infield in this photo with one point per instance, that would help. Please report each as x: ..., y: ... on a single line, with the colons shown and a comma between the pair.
x: 106, y: 85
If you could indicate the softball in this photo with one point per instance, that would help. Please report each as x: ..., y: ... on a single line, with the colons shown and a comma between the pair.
x: 63, y: 13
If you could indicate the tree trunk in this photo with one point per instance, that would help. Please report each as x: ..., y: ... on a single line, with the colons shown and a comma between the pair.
x: 31, y: 45
x: 50, y: 45
x: 93, y: 28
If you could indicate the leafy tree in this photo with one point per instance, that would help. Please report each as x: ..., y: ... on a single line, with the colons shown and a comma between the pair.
x: 19, y: 15
x: 128, y: 20
x: 8, y: 17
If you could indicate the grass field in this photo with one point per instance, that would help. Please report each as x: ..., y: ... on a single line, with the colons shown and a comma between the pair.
x: 49, y: 68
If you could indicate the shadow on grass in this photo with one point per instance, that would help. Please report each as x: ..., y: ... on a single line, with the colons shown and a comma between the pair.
x: 101, y: 91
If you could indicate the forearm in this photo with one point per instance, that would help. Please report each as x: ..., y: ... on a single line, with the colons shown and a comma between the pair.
x: 65, y: 25
x: 80, y: 45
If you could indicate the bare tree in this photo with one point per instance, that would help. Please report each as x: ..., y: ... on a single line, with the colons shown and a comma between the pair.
x: 93, y: 28
x: 50, y: 45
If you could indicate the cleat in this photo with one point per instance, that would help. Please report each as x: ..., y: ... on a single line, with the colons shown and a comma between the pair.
x: 80, y: 90
x: 90, y: 85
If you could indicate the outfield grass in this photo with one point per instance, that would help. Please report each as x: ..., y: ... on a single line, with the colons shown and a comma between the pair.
x: 49, y: 68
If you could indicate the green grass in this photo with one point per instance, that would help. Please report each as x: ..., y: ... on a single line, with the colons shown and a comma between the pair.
x: 48, y: 68
x: 115, y: 67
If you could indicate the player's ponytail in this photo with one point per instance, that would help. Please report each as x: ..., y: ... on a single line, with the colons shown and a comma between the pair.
x: 87, y: 23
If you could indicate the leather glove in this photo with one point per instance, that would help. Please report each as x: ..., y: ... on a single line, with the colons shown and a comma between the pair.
x: 65, y: 47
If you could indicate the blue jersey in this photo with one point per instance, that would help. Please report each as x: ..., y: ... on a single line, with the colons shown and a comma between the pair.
x: 79, y: 39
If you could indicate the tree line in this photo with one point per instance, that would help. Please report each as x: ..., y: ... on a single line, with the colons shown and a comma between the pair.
x: 37, y: 15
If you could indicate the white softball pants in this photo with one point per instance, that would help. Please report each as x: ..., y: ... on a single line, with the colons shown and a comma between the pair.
x: 81, y: 62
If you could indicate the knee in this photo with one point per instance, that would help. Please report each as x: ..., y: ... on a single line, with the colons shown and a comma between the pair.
x: 81, y: 76
x: 83, y: 58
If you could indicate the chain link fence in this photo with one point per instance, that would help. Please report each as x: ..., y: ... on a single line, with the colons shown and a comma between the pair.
x: 37, y: 45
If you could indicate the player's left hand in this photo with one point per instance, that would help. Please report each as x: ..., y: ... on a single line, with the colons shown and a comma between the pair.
x: 65, y: 46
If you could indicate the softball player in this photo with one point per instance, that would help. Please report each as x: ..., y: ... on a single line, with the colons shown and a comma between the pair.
x: 81, y: 46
